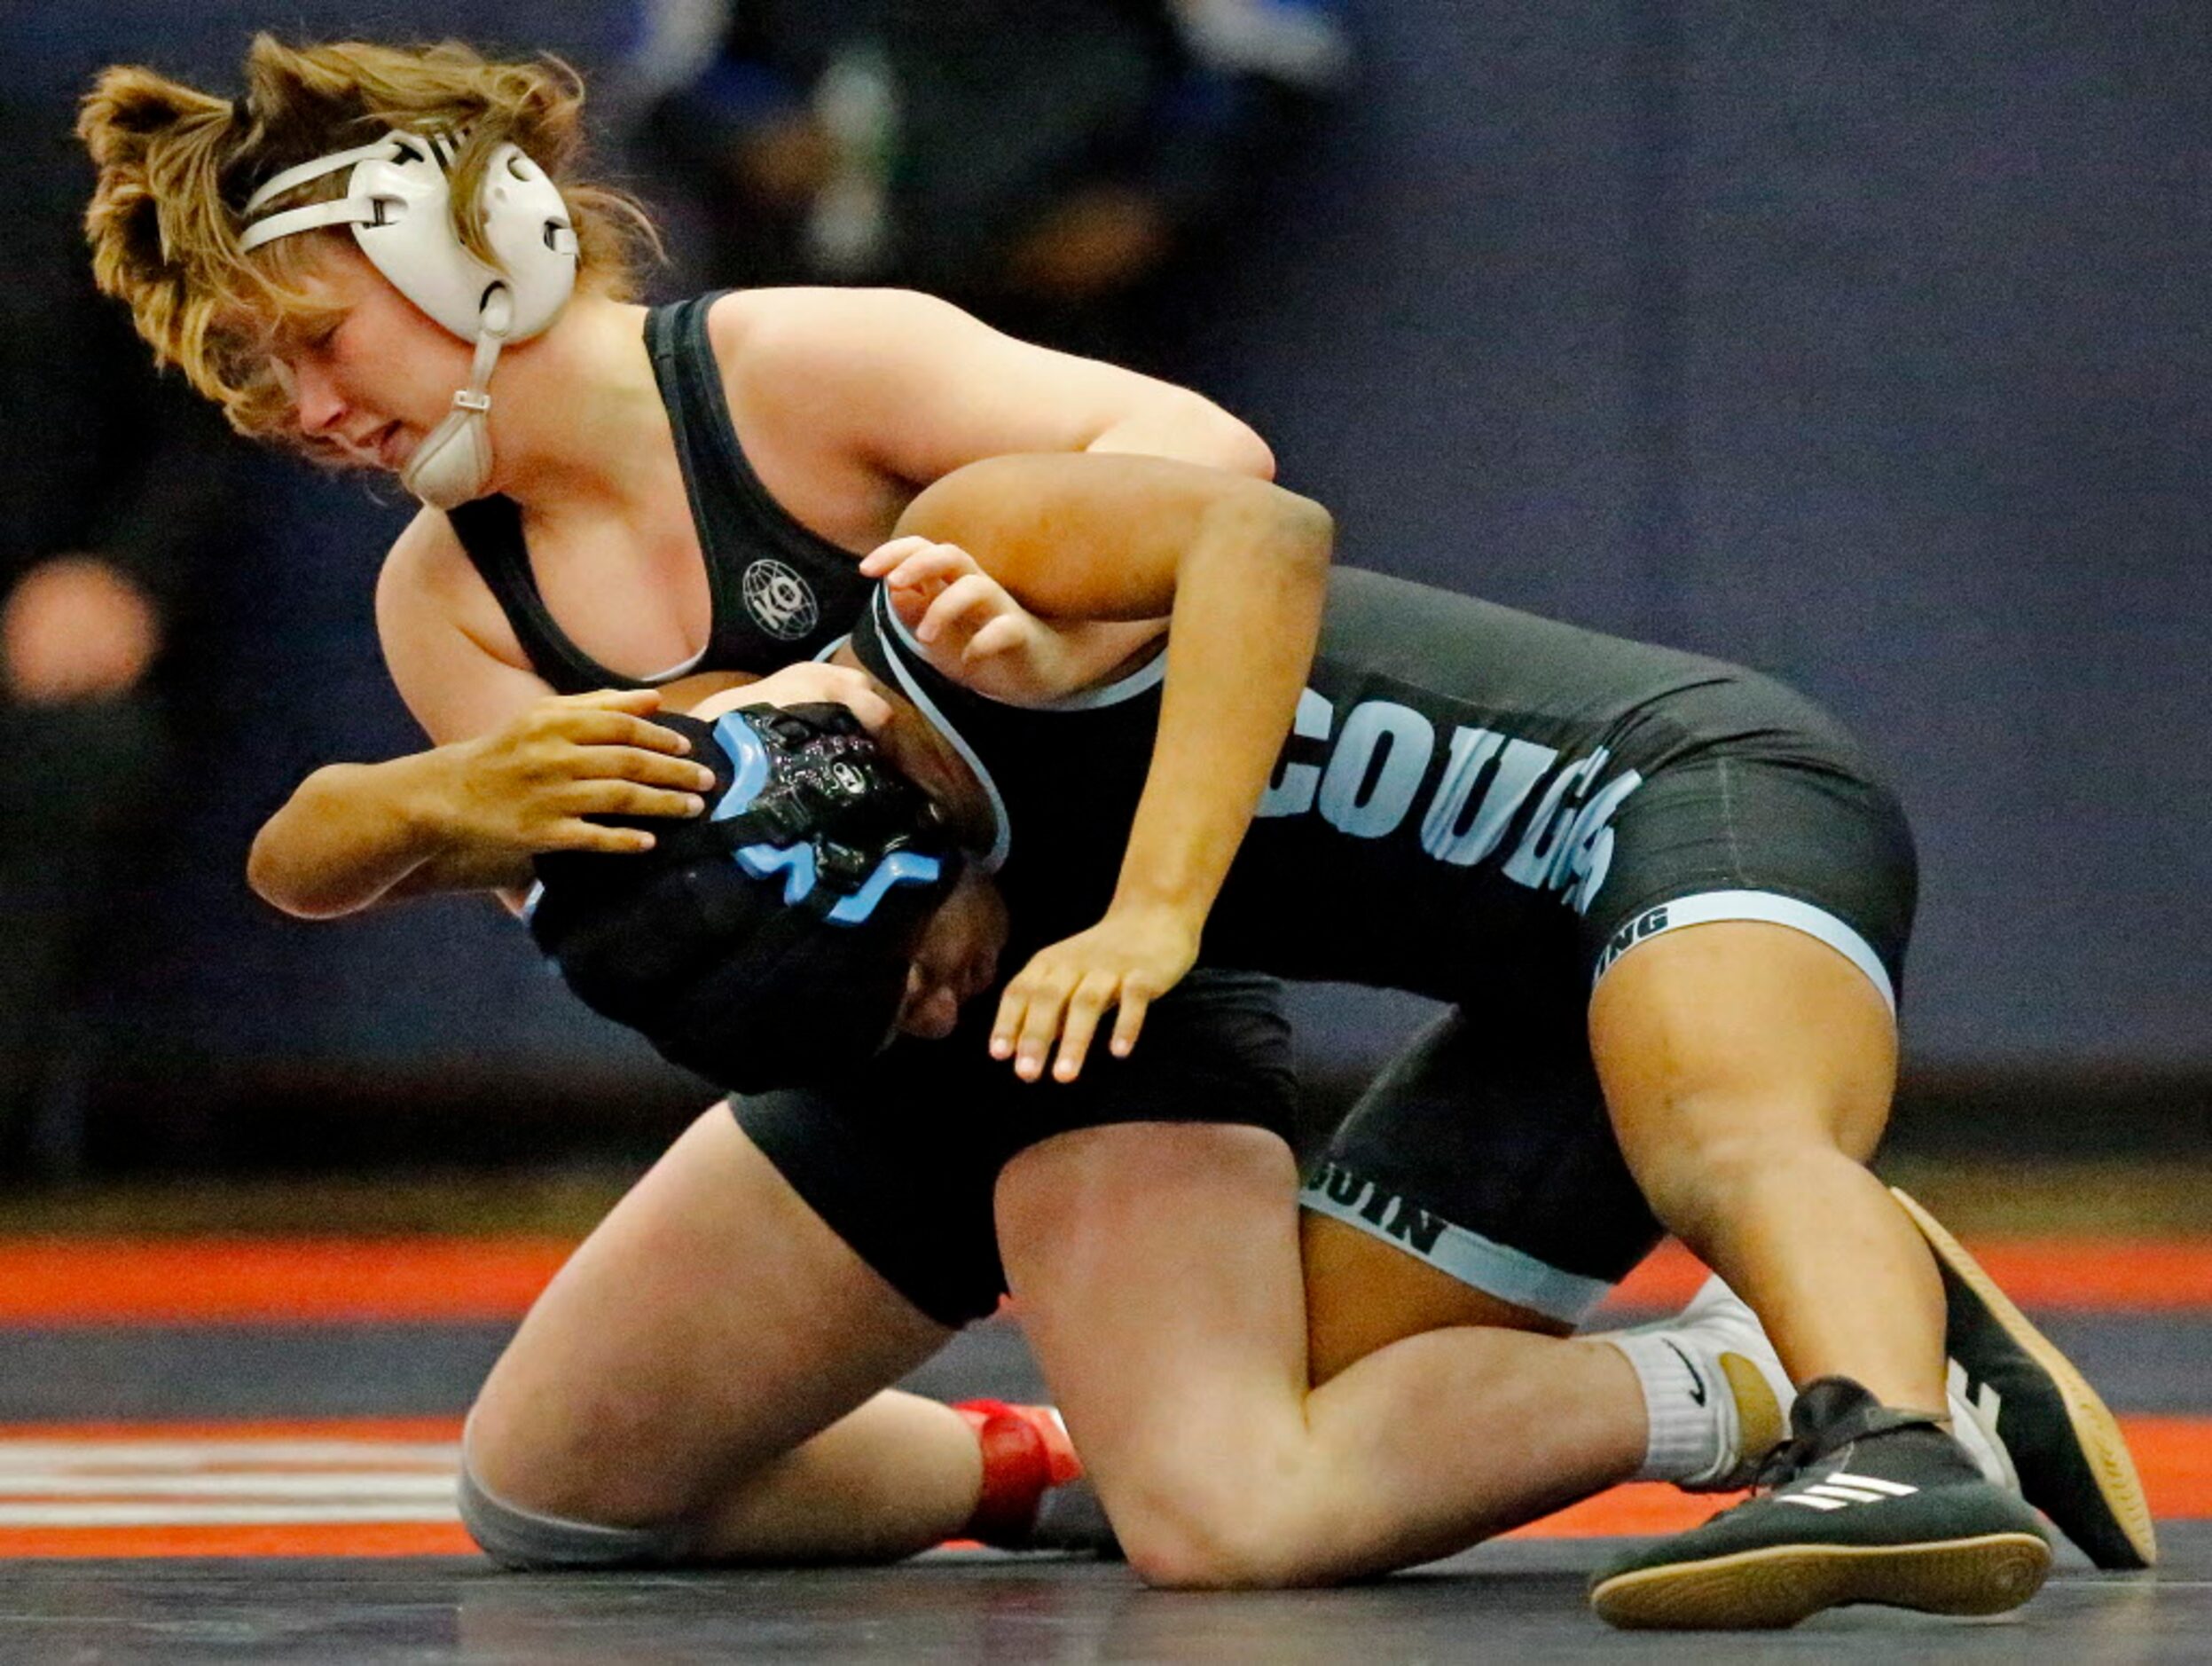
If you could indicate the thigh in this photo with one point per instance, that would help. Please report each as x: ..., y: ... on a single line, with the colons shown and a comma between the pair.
x: 1363, y: 1292
x: 710, y: 1323
x: 1746, y: 951
x: 1156, y: 1269
x: 900, y: 1157
x: 1736, y: 1036
x: 1483, y: 1176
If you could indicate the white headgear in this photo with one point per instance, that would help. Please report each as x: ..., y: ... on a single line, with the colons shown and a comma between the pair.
x: 398, y: 201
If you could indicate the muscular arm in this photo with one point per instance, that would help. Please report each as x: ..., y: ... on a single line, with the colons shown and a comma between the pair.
x: 1240, y: 566
x: 916, y: 388
x: 909, y: 388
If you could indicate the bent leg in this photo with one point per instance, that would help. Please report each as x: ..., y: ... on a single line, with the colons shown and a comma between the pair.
x: 1362, y: 1294
x: 708, y: 1365
x: 1748, y: 1068
x: 1158, y: 1267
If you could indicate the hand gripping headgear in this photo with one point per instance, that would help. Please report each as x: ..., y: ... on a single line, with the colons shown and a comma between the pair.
x: 765, y: 944
x: 399, y: 202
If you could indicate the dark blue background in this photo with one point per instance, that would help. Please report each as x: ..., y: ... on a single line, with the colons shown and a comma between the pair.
x: 1867, y: 343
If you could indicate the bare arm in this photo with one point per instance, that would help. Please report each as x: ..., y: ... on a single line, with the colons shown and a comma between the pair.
x: 517, y: 772
x: 917, y: 387
x: 910, y: 388
x: 1241, y: 567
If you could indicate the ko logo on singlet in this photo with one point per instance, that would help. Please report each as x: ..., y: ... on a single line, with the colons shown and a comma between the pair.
x: 1381, y: 755
x: 780, y: 600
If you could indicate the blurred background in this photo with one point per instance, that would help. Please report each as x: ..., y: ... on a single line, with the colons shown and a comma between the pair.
x: 1865, y: 344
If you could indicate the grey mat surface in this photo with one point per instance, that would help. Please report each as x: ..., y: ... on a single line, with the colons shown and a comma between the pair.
x: 1504, y: 1603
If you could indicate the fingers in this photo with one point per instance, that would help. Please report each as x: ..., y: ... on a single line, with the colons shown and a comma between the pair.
x: 960, y: 609
x: 574, y: 835
x: 1021, y: 1032
x: 1044, y: 1003
x: 1088, y: 1003
x: 611, y: 700
x: 998, y: 636
x: 904, y: 561
x: 599, y: 796
x: 885, y: 557
x: 603, y: 727
x: 919, y: 576
x: 1136, y: 1000
x: 651, y: 769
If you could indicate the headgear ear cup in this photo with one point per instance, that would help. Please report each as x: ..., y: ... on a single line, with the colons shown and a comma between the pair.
x: 398, y: 203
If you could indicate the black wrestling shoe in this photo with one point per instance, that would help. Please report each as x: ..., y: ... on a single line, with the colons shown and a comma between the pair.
x: 1864, y: 1505
x: 2064, y: 1443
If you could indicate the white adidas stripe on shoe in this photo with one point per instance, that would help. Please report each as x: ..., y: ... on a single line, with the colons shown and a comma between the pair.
x: 1840, y: 1491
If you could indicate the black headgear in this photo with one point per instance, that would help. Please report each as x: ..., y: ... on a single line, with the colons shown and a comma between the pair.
x: 765, y: 943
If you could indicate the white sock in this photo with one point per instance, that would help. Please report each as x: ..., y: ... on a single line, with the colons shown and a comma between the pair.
x: 1681, y: 1407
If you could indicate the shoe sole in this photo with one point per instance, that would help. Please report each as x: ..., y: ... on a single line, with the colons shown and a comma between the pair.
x: 2096, y: 1431
x: 1766, y: 1589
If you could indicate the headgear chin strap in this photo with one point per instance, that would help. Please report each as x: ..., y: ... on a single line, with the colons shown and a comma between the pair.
x: 398, y: 202
x: 452, y: 465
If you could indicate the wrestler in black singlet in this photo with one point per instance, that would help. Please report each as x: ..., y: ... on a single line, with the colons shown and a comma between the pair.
x: 782, y: 593
x: 1487, y: 808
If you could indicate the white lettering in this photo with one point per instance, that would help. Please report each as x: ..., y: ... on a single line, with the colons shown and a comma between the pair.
x: 1520, y: 767
x: 1410, y: 742
x: 1291, y: 791
x: 1588, y: 851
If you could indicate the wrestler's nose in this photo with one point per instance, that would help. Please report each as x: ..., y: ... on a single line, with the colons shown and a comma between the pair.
x: 316, y: 399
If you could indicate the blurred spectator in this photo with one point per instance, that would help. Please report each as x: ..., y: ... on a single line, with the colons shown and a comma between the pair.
x: 112, y: 489
x: 1030, y: 158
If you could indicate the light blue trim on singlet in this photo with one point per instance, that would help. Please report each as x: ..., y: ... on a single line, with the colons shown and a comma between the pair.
x: 1126, y: 687
x: 1146, y: 677
x: 1707, y: 907
x: 1482, y: 1263
x: 1001, y: 832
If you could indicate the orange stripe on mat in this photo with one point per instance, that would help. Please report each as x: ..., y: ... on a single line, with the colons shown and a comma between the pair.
x: 271, y: 1281
x: 203, y: 1281
x: 312, y: 1538
x: 404, y: 1429
x: 2175, y: 1454
x: 2161, y: 1275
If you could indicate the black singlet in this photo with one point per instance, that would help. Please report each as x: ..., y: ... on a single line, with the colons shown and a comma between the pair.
x: 781, y: 591
x: 1442, y: 810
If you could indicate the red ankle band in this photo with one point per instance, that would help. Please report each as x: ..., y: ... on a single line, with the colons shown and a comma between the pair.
x: 1024, y: 1452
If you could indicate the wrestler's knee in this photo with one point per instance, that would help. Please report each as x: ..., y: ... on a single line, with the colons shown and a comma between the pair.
x: 536, y: 1541
x: 1237, y: 1527
x: 1176, y: 1549
x: 532, y: 1504
x: 1698, y: 1181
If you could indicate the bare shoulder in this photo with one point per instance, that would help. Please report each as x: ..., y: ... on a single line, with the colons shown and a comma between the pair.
x: 426, y: 574
x: 450, y: 650
x: 779, y: 332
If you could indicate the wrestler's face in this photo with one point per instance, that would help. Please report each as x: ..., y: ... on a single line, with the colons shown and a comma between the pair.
x: 374, y: 374
x: 957, y: 957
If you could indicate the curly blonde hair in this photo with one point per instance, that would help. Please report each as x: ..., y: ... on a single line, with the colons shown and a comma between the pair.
x: 176, y: 166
